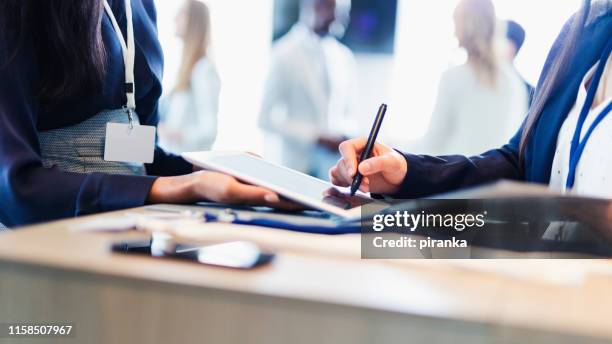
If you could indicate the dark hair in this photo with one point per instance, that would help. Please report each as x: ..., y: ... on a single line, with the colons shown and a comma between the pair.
x: 516, y: 34
x: 66, y: 38
x: 558, y: 72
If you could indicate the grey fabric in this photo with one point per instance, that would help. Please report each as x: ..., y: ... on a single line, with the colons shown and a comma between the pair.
x: 80, y: 148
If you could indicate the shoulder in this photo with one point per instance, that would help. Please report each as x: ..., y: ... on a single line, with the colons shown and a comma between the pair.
x: 595, y: 34
x: 341, y: 52
x: 457, y: 74
x: 599, y: 23
x: 286, y: 46
x: 205, y: 71
x: 601, y: 12
x: 341, y: 48
x: 284, y: 53
x: 507, y: 72
x: 292, y: 43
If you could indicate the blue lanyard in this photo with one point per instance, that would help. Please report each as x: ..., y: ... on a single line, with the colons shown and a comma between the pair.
x: 577, y: 147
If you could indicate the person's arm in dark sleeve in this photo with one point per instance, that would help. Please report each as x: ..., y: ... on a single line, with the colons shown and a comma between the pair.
x: 167, y: 164
x: 430, y: 175
x: 31, y: 193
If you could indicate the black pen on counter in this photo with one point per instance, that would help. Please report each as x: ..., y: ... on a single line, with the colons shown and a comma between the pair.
x: 367, y: 151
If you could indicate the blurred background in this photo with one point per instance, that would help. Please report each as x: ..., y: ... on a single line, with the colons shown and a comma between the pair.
x: 401, y: 49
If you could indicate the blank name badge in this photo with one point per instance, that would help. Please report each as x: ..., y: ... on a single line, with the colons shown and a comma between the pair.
x: 129, y: 144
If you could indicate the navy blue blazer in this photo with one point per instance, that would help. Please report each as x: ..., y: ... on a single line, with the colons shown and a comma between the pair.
x: 31, y: 193
x: 429, y: 175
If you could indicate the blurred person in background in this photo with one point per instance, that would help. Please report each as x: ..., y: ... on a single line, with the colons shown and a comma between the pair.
x: 515, y: 35
x: 481, y: 102
x: 308, y: 92
x: 189, y: 113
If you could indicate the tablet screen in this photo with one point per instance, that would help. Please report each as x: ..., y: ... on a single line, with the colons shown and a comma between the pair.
x: 287, y: 179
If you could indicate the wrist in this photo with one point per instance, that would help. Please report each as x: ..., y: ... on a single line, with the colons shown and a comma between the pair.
x: 402, y: 167
x: 178, y: 189
x: 402, y: 173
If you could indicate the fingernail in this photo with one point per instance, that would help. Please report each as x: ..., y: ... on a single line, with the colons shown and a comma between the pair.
x: 272, y: 198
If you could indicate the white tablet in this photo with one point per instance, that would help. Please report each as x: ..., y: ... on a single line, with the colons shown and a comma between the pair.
x: 289, y: 183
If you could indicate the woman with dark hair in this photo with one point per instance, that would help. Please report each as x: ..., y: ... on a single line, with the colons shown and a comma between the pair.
x: 565, y: 142
x: 79, y: 88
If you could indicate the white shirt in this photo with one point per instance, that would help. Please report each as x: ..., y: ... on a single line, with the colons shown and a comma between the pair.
x: 470, y: 117
x: 594, y: 170
x: 308, y: 93
x: 193, y: 111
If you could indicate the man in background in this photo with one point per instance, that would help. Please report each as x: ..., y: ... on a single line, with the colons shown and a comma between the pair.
x: 308, y: 92
x: 515, y: 34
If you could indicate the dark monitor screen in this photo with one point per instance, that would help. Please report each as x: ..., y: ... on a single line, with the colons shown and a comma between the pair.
x: 371, y: 28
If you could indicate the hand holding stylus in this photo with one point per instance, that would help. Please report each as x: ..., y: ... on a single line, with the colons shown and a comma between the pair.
x: 382, y: 173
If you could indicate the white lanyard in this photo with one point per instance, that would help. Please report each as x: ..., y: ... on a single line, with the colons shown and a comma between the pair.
x: 128, y: 142
x: 129, y: 52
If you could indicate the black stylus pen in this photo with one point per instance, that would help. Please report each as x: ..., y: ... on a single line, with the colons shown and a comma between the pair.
x: 367, y: 151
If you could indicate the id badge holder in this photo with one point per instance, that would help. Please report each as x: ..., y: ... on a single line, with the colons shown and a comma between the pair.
x: 129, y: 142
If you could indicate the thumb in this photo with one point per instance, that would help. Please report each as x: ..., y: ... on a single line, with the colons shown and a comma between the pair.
x: 377, y: 164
